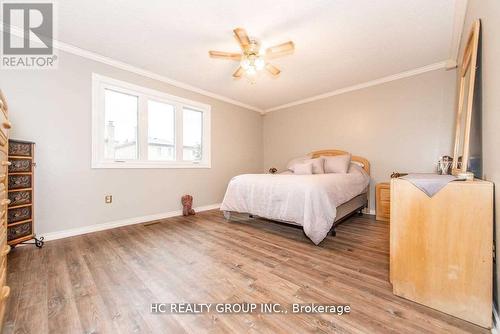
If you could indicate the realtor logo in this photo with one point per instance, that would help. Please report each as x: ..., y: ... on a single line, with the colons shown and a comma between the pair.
x: 28, y: 34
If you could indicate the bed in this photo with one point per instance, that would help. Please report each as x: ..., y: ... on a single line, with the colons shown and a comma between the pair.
x: 317, y: 202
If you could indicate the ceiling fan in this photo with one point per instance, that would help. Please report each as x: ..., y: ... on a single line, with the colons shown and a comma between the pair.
x: 253, y: 59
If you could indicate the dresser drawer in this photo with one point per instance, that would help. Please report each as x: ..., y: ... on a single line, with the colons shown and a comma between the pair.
x: 383, y: 201
x: 4, y: 250
x: 3, y: 154
x: 18, y: 214
x: 20, y: 165
x: 4, y: 124
x: 3, y: 140
x: 3, y: 276
x: 384, y: 210
x: 3, y: 191
x: 21, y: 197
x: 4, y: 164
x: 3, y: 204
x: 19, y: 181
x: 3, y: 267
x: 385, y: 194
x: 20, y: 149
x: 19, y: 231
x: 3, y: 236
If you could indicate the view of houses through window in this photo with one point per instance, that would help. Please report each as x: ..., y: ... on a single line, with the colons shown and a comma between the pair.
x: 143, y: 128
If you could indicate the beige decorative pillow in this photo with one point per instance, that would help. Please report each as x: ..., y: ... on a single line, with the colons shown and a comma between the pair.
x: 303, y: 169
x: 337, y: 164
x: 355, y: 168
x: 317, y: 165
x: 298, y: 160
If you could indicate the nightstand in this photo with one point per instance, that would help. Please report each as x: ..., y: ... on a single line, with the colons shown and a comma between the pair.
x: 383, y: 201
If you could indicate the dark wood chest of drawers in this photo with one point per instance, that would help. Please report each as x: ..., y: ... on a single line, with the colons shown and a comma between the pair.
x: 20, y: 217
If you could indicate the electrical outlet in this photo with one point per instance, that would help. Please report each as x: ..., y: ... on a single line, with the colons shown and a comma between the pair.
x: 108, y: 199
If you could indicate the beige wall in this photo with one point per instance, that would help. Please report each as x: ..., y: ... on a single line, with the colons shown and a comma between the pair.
x: 489, y: 13
x: 53, y: 108
x: 403, y: 125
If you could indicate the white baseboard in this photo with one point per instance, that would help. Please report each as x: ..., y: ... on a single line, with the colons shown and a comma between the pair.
x: 117, y: 223
x: 369, y: 211
x: 496, y: 321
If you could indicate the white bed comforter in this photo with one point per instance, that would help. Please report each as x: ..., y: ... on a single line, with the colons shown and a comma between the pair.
x: 307, y: 200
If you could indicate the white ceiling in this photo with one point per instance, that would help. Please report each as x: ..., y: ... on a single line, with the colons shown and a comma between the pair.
x: 338, y: 43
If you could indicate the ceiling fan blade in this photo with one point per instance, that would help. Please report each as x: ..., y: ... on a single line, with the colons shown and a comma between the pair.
x: 280, y: 50
x: 225, y: 55
x: 242, y: 37
x: 273, y: 70
x: 238, y: 73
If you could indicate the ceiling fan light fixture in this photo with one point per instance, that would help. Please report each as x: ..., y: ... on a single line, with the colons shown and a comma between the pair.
x: 254, y: 58
x: 245, y: 63
x: 260, y: 63
x: 251, y: 71
x: 253, y: 63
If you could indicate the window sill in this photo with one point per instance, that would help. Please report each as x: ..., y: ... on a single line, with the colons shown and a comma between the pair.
x: 149, y: 164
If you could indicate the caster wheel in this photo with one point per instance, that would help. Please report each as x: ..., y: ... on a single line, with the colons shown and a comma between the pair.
x: 39, y: 242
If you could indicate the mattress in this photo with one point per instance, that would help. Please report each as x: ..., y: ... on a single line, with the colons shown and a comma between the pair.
x: 310, y: 201
x: 352, y: 205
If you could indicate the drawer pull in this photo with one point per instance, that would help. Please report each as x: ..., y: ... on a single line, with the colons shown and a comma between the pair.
x: 5, y: 292
x: 7, y: 125
x: 6, y: 163
x: 6, y: 250
x: 5, y: 202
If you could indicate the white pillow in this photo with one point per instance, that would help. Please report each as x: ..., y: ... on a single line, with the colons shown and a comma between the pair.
x: 360, y: 164
x: 294, y: 161
x: 355, y: 168
x: 337, y: 164
x: 303, y: 169
x: 317, y: 165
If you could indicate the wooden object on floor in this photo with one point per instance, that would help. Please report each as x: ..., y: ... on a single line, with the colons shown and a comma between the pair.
x: 20, y: 215
x: 383, y: 201
x: 105, y: 282
x: 442, y: 247
x: 4, y: 248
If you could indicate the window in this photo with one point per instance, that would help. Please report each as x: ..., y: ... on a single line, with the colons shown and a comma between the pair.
x: 192, y: 134
x: 161, y: 131
x: 136, y: 127
x: 120, y: 121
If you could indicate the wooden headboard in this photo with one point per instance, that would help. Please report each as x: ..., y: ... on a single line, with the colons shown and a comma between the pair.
x: 365, y: 162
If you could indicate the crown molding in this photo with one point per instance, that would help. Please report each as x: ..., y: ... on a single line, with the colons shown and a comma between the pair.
x: 448, y: 64
x: 68, y: 48
x: 401, y: 75
x: 458, y: 27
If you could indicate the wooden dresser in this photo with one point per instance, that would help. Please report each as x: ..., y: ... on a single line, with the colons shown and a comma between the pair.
x: 441, y: 247
x: 383, y: 201
x: 21, y: 180
x: 4, y: 248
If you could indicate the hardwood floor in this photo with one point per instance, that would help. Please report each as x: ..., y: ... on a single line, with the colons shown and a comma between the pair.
x: 105, y: 282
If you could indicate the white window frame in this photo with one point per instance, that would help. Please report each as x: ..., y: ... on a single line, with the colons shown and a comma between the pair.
x: 100, y: 83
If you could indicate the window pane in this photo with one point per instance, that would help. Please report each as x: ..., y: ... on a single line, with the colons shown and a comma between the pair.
x: 120, y: 117
x: 192, y: 133
x: 161, y: 131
